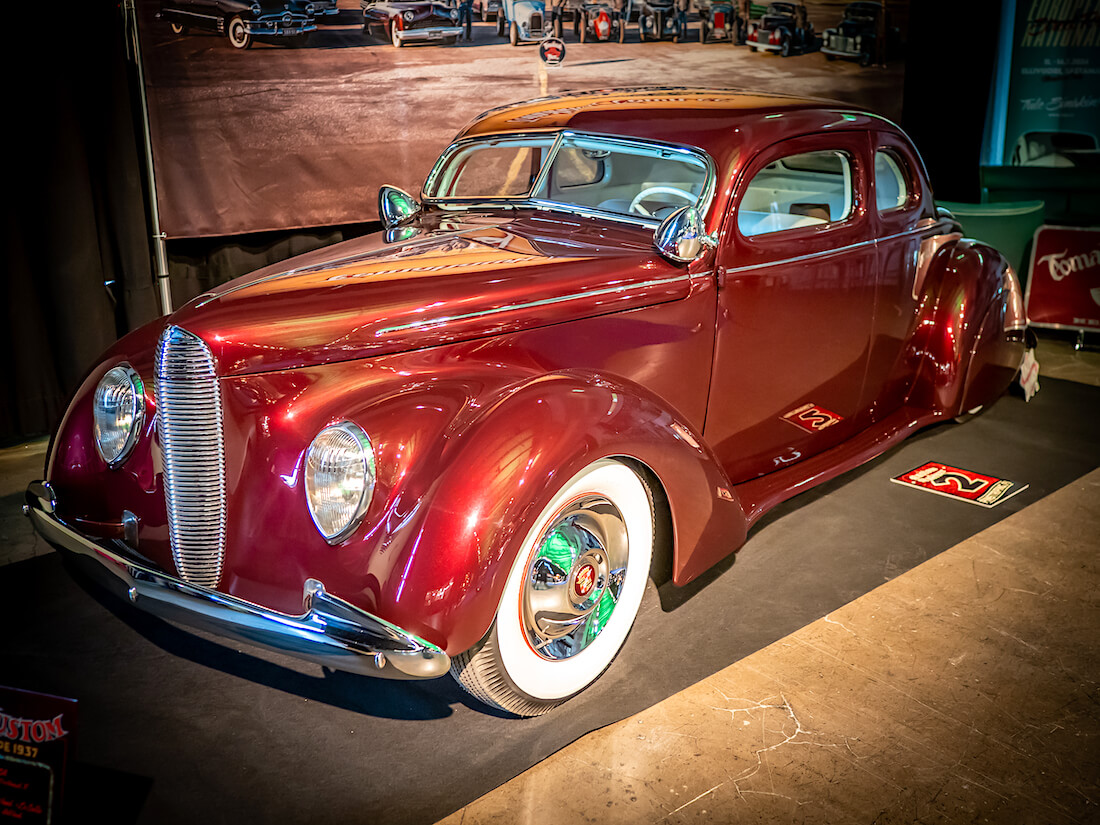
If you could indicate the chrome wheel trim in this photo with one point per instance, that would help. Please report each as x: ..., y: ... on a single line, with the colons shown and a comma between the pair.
x: 575, y: 580
x: 525, y: 681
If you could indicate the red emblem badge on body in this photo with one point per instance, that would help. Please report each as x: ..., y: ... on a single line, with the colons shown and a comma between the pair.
x: 953, y: 482
x: 812, y: 418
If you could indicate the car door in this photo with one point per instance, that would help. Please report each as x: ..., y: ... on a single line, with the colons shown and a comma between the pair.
x: 908, y: 236
x: 796, y: 273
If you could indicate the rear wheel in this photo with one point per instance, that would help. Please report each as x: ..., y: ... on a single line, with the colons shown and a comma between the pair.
x: 622, y: 31
x: 571, y: 597
x: 178, y: 28
x: 500, y: 25
x: 584, y: 30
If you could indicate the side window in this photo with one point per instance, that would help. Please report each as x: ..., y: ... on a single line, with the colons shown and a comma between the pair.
x: 810, y: 189
x: 891, y: 189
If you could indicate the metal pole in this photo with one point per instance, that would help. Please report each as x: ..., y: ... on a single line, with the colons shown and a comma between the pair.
x: 160, y: 253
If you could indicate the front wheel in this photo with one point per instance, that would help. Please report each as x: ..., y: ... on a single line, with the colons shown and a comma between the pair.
x: 394, y: 38
x: 237, y: 31
x: 571, y: 596
x: 513, y: 33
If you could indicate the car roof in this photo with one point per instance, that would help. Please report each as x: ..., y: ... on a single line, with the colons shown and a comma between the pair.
x: 705, y: 118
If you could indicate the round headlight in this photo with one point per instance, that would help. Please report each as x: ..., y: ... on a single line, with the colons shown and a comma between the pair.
x: 117, y: 413
x: 339, y: 479
x: 409, y: 15
x: 454, y: 14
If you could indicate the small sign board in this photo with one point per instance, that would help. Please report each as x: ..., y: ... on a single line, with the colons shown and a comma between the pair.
x: 36, y: 742
x: 552, y: 51
x: 966, y: 485
x: 812, y: 418
x: 1063, y: 289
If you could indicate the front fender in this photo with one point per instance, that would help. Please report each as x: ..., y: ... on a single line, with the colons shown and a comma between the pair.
x: 468, y: 515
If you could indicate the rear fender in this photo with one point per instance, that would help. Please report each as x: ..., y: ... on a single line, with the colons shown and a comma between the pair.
x: 963, y: 280
x: 468, y: 514
x: 998, y: 347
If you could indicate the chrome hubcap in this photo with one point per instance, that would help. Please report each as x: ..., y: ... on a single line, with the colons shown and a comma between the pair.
x: 575, y: 578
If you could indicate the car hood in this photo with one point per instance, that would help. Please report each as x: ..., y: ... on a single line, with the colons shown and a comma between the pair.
x: 441, y: 280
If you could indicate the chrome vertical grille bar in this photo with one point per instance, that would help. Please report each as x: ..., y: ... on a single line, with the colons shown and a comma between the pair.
x: 189, y: 413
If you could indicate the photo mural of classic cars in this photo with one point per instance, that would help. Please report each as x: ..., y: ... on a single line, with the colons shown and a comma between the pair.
x: 613, y: 332
x: 274, y: 138
x: 241, y: 21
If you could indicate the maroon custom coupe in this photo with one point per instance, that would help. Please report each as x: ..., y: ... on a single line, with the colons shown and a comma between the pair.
x: 613, y: 322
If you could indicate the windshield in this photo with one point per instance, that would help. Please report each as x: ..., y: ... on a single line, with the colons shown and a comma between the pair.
x: 587, y: 173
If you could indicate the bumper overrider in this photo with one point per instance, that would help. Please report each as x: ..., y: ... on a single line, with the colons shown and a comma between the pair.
x: 329, y: 632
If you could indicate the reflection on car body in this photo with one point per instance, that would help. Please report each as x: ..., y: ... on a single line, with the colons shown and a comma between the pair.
x: 614, y: 330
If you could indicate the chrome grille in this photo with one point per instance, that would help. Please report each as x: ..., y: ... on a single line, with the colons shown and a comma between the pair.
x: 189, y: 413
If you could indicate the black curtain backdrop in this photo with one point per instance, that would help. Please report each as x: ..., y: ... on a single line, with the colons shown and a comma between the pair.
x: 77, y: 252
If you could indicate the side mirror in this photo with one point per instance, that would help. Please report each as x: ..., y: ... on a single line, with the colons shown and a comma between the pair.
x: 681, y: 236
x: 395, y: 206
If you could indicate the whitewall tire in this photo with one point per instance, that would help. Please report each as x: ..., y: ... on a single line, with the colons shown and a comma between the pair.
x: 571, y: 597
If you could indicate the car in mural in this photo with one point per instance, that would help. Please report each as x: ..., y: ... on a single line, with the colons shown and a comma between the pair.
x: 856, y: 36
x: 601, y: 21
x: 718, y: 22
x: 487, y: 9
x: 286, y: 21
x: 784, y: 28
x: 411, y: 21
x: 657, y: 20
x: 523, y: 21
x: 613, y: 331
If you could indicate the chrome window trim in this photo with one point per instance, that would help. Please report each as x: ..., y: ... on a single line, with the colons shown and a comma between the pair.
x: 920, y: 229
x: 706, y: 196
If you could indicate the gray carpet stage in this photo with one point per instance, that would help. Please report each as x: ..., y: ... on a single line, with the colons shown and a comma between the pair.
x: 177, y: 728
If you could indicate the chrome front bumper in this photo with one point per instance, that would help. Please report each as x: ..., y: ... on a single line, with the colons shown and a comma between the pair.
x: 329, y: 632
x: 440, y: 33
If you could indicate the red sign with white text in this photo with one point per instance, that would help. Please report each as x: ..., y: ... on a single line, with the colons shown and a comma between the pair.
x: 37, y: 732
x: 1063, y: 289
x: 954, y: 482
x: 812, y: 418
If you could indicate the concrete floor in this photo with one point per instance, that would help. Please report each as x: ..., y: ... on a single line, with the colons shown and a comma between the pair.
x: 966, y: 690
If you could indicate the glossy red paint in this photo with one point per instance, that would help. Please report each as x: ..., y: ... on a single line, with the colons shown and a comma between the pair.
x: 492, y: 356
